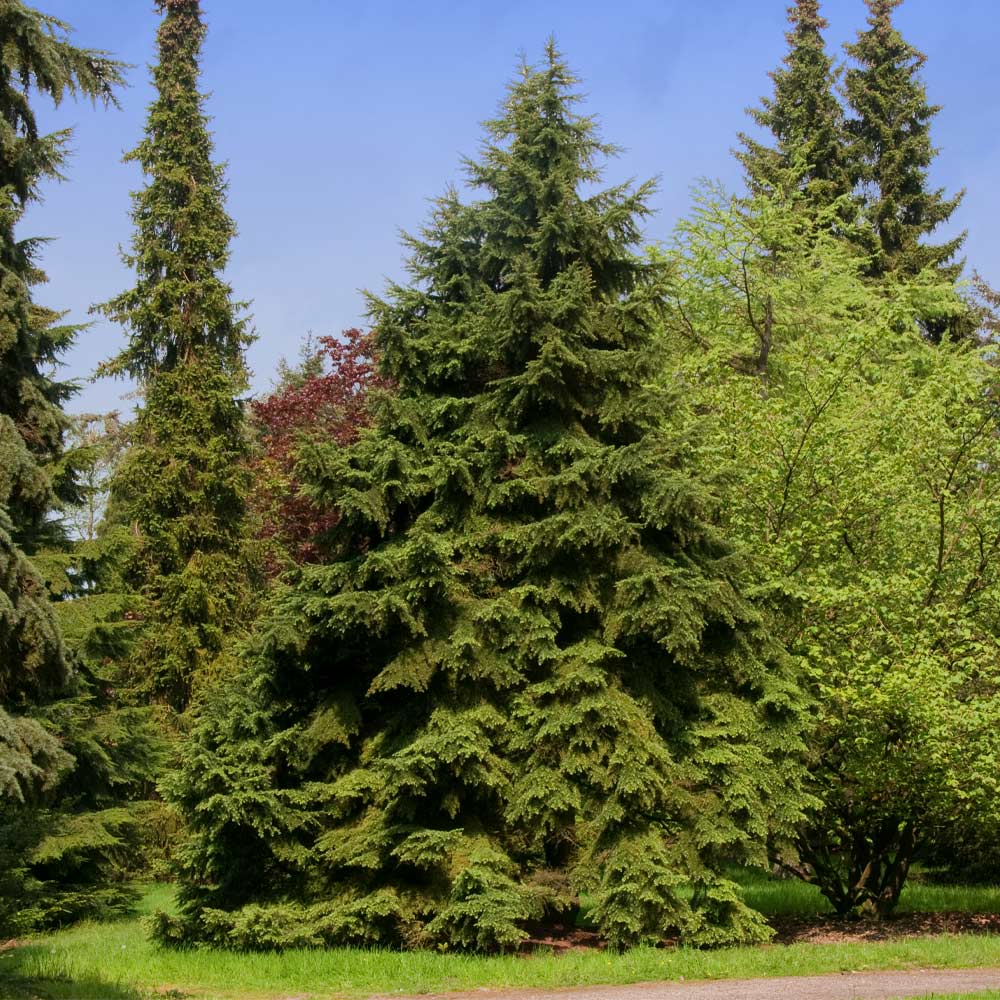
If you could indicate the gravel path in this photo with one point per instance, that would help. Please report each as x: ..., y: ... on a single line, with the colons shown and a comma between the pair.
x: 844, y: 986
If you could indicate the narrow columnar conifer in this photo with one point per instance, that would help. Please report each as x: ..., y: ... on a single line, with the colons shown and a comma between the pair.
x: 804, y: 118
x: 890, y: 153
x: 528, y: 671
x: 181, y: 487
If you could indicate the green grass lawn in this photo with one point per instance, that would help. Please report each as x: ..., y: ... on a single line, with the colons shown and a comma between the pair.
x: 988, y: 995
x: 116, y: 962
x: 791, y: 897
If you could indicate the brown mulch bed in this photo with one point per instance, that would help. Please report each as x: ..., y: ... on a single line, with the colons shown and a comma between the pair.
x: 562, y: 938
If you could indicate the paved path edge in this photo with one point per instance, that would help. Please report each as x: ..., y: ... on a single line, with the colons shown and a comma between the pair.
x: 883, y: 985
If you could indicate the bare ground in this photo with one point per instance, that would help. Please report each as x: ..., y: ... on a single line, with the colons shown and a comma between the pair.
x: 833, y: 930
x: 801, y: 930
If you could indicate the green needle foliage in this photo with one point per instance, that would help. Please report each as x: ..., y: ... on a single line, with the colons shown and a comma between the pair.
x: 180, y: 306
x: 804, y: 117
x: 33, y: 669
x: 35, y: 58
x: 890, y: 152
x: 529, y: 671
x: 68, y: 759
x: 180, y: 488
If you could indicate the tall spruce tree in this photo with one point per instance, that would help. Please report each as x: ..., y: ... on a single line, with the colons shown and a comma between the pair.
x: 181, y: 486
x: 890, y: 151
x: 36, y: 58
x: 67, y: 763
x: 529, y: 671
x: 804, y: 117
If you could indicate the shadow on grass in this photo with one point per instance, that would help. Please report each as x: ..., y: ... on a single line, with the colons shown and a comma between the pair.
x: 19, y: 981
x: 63, y: 989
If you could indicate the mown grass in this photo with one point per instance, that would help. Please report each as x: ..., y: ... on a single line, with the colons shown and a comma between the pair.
x: 94, y: 989
x: 988, y: 995
x: 120, y: 957
x: 790, y: 897
x: 116, y: 962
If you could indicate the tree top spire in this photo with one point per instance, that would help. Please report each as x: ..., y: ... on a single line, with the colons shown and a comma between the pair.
x: 806, y: 16
x: 880, y: 13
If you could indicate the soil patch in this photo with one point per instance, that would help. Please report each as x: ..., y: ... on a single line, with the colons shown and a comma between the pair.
x: 561, y: 938
x: 835, y: 930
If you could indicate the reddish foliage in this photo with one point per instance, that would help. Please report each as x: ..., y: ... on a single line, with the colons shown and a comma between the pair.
x: 329, y: 401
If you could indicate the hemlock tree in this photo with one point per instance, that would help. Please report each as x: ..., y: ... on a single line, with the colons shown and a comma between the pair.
x: 890, y: 151
x: 181, y: 486
x: 529, y: 671
x: 67, y: 765
x: 805, y: 118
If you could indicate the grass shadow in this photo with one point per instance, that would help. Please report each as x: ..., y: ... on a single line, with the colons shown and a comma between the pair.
x: 18, y: 981
x: 62, y: 989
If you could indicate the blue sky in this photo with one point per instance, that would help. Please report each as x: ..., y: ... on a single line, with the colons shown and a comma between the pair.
x: 339, y: 121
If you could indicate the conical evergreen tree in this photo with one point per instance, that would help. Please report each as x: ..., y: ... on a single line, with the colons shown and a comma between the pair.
x: 181, y: 487
x: 890, y: 151
x: 529, y: 671
x: 804, y: 117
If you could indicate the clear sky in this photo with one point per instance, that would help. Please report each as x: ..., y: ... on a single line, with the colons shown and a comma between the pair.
x: 339, y: 120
